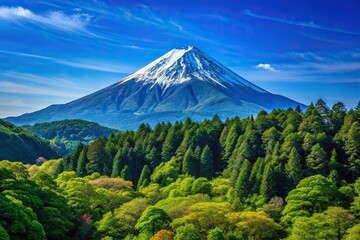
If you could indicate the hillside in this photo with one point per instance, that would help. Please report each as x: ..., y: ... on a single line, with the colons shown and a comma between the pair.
x: 67, y: 134
x: 282, y: 175
x: 19, y: 144
x: 185, y: 82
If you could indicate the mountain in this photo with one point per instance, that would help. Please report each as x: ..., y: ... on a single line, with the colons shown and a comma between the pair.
x: 19, y: 144
x: 184, y: 82
x: 67, y: 134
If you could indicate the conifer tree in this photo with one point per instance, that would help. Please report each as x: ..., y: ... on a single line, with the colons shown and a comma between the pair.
x: 189, y: 163
x: 293, y: 168
x: 316, y: 161
x: 206, y: 163
x: 81, y: 166
x: 334, y: 164
x: 242, y: 183
x: 126, y: 173
x: 118, y: 164
x: 352, y: 146
x: 231, y: 140
x: 171, y: 143
x: 144, y: 177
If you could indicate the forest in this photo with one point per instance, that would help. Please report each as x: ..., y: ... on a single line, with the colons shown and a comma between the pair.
x: 65, y: 135
x: 287, y: 174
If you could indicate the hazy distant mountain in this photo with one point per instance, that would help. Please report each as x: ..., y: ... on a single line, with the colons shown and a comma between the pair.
x: 183, y: 82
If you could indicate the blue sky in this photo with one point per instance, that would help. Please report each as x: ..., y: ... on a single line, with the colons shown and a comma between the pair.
x: 56, y: 51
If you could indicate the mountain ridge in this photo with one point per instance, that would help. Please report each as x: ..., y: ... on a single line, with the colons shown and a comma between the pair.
x: 184, y: 82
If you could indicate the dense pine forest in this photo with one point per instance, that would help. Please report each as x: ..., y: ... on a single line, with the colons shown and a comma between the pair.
x: 287, y: 174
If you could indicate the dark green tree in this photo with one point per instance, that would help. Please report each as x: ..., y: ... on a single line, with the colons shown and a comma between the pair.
x: 82, y: 162
x: 293, y: 168
x: 190, y: 165
x: 126, y: 173
x: 206, y: 163
x: 316, y: 161
x: 242, y: 183
x: 144, y: 177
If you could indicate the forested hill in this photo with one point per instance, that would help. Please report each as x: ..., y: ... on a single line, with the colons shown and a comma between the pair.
x: 67, y: 134
x: 18, y: 144
x: 283, y: 175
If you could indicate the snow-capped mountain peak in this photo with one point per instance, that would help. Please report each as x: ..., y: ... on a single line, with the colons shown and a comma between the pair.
x: 184, y: 64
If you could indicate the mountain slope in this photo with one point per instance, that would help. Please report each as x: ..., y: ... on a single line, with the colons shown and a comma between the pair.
x: 19, y: 144
x: 185, y: 82
x: 67, y: 134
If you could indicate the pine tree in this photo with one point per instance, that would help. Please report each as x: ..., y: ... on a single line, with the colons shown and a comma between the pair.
x: 242, y: 185
x: 352, y: 146
x: 256, y: 175
x: 144, y: 177
x: 322, y: 108
x: 334, y: 164
x: 206, y: 163
x: 81, y: 166
x: 171, y: 143
x: 118, y: 164
x: 316, y: 160
x: 267, y: 187
x: 231, y: 140
x: 293, y: 168
x: 126, y: 174
x: 189, y: 163
x: 98, y: 157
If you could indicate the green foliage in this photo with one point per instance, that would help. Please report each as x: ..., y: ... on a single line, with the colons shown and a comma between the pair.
x: 67, y: 134
x: 153, y: 220
x: 312, y: 195
x: 206, y: 180
x: 190, y: 163
x: 187, y: 232
x: 206, y: 163
x: 19, y: 144
x: 215, y: 234
x: 201, y: 185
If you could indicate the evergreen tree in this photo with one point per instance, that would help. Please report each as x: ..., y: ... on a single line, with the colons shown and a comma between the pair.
x: 98, y: 157
x: 189, y: 163
x: 293, y: 168
x: 197, y: 153
x: 81, y: 166
x: 206, y: 163
x: 171, y: 143
x: 242, y: 185
x: 231, y: 140
x: 352, y: 146
x: 118, y: 164
x: 144, y: 177
x: 322, y: 108
x: 126, y: 173
x: 316, y: 161
x: 334, y: 164
x: 256, y: 175
x: 337, y: 115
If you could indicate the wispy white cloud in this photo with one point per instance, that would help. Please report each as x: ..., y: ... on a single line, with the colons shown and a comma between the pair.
x: 309, y: 24
x: 102, y: 67
x: 53, y: 19
x: 33, y: 78
x: 266, y: 66
x: 10, y: 87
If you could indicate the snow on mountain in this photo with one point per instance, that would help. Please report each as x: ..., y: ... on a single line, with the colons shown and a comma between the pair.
x: 184, y: 82
x: 181, y: 65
